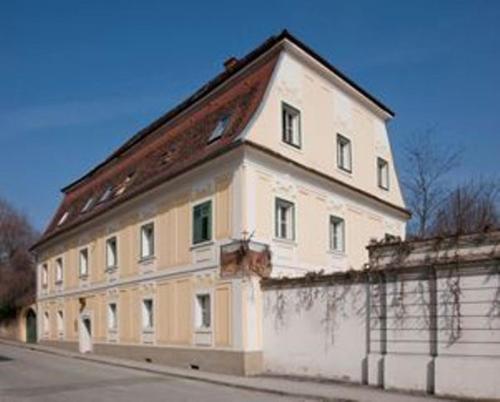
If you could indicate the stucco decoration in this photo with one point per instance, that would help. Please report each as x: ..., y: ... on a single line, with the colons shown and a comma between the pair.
x: 245, y: 258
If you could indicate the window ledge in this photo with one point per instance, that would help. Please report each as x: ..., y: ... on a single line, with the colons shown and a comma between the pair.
x: 113, y: 331
x: 288, y: 242
x: 84, y: 277
x: 203, y: 330
x: 202, y: 244
x: 147, y: 260
x: 112, y: 269
x: 292, y: 147
x: 148, y: 330
x: 59, y: 282
x: 344, y: 172
x: 337, y: 253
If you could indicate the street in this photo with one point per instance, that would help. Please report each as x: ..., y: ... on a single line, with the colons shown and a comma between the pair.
x: 35, y: 376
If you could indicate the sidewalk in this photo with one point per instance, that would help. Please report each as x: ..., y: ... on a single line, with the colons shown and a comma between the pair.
x: 302, y: 388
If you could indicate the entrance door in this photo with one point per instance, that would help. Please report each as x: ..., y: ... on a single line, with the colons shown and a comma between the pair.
x: 31, y: 326
x: 85, y: 335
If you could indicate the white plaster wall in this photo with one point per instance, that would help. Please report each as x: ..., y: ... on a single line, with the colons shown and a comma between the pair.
x: 315, y: 332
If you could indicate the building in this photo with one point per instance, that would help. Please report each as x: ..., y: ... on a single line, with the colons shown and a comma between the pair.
x: 142, y: 256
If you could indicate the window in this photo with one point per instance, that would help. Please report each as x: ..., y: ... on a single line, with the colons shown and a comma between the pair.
x: 111, y: 253
x: 147, y: 240
x: 285, y: 219
x: 84, y: 262
x: 202, y: 222
x: 60, y: 321
x: 63, y: 218
x: 45, y: 275
x: 107, y: 194
x: 112, y: 316
x: 46, y: 322
x: 337, y: 234
x: 59, y: 270
x: 219, y: 129
x: 383, y: 173
x: 147, y: 314
x: 88, y: 205
x: 291, y: 125
x: 344, y: 153
x: 203, y: 313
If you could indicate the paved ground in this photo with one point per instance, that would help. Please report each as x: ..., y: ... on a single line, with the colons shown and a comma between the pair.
x: 35, y: 376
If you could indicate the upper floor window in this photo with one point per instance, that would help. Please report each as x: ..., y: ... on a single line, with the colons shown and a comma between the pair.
x: 147, y: 240
x: 84, y: 262
x: 203, y: 311
x: 337, y: 234
x: 285, y: 219
x: 291, y: 125
x: 383, y: 173
x: 202, y: 222
x: 59, y: 270
x: 45, y: 275
x: 112, y: 316
x: 344, y: 153
x: 147, y: 314
x: 111, y: 253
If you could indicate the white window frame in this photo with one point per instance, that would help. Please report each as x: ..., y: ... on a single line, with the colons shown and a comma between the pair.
x: 114, y: 254
x: 199, y: 316
x: 45, y: 274
x: 46, y: 322
x: 290, y: 229
x: 212, y: 221
x: 383, y: 173
x: 291, y: 134
x: 112, y: 317
x: 343, y: 163
x: 59, y: 274
x: 334, y: 245
x: 60, y: 321
x: 148, y: 317
x: 151, y: 246
x: 83, y: 273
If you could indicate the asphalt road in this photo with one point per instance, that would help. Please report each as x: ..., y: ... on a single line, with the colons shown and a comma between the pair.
x: 27, y: 375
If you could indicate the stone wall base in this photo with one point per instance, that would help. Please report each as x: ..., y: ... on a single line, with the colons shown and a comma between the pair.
x: 217, y: 361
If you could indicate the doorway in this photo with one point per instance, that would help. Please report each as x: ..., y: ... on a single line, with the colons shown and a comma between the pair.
x: 85, y: 336
x: 31, y: 326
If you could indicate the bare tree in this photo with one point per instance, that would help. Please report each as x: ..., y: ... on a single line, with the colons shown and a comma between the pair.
x: 17, y: 267
x: 470, y: 207
x: 426, y: 166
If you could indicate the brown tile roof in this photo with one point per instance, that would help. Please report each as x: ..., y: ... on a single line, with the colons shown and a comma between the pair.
x: 178, y: 140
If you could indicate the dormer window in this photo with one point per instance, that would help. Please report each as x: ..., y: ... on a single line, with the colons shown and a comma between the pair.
x: 219, y: 129
x: 107, y: 194
x: 88, y: 205
x: 63, y: 218
x: 124, y: 184
x: 291, y: 134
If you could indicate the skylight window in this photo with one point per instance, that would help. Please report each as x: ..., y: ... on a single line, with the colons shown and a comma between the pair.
x: 107, y: 193
x: 63, y: 218
x: 219, y: 129
x: 124, y: 184
x: 88, y: 205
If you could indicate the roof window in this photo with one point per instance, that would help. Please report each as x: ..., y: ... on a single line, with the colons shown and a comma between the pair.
x: 63, y: 218
x: 89, y: 204
x: 124, y: 184
x: 219, y: 129
x: 107, y: 194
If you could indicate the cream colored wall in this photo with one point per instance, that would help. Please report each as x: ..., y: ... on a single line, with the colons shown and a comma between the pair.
x: 315, y: 201
x: 326, y: 110
x: 173, y: 291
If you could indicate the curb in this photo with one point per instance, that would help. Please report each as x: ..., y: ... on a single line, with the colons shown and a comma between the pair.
x: 165, y: 372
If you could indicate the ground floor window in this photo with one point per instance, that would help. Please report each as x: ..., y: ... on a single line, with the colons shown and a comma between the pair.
x: 112, y: 316
x: 203, y: 311
x: 147, y: 314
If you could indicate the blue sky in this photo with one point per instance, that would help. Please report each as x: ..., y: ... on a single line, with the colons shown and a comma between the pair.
x: 78, y: 78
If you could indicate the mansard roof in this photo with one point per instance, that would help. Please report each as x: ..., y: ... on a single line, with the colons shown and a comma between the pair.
x: 180, y: 139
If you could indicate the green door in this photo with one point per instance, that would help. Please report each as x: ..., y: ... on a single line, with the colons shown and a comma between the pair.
x: 31, y: 326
